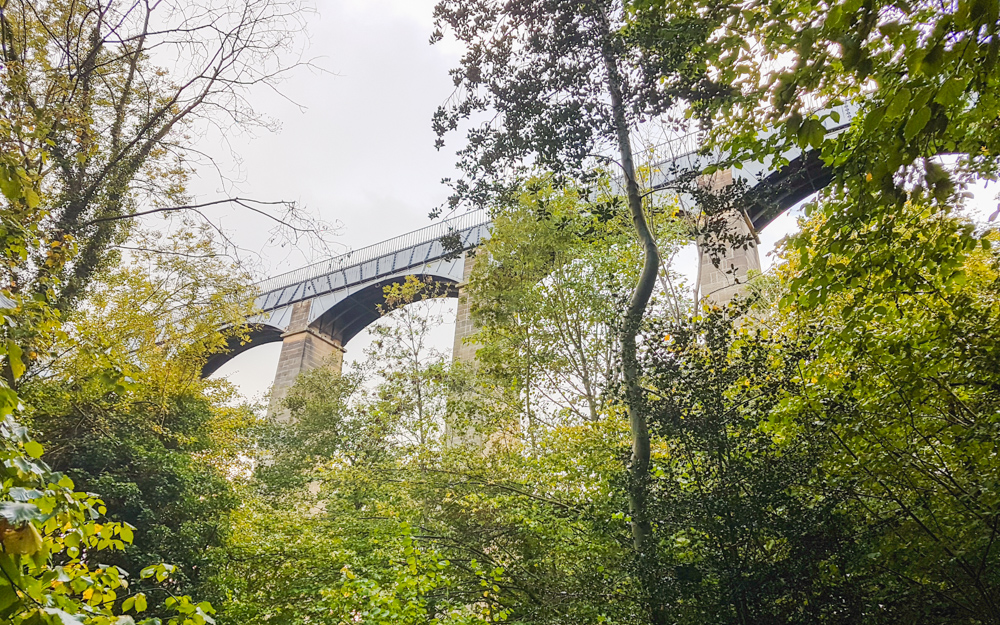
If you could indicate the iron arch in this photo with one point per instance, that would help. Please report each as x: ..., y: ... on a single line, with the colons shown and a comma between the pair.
x: 348, y: 317
x: 257, y: 334
x: 341, y: 322
x: 782, y: 189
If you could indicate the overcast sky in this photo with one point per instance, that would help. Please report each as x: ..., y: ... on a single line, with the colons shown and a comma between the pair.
x: 355, y: 147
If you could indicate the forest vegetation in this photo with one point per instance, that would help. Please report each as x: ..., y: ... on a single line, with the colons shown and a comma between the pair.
x: 824, y: 448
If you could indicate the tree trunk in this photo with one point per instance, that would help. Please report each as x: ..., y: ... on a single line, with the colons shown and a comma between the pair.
x: 642, y: 529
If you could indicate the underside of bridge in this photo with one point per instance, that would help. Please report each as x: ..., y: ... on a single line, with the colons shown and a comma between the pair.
x: 317, y: 338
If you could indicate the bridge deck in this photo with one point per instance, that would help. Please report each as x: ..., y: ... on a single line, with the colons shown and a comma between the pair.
x: 368, y: 264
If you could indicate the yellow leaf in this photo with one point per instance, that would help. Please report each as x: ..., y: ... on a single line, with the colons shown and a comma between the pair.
x: 25, y: 541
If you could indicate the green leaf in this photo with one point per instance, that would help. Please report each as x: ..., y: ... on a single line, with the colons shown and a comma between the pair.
x: 899, y: 104
x: 952, y: 89
x: 24, y: 494
x: 33, y: 449
x: 7, y: 596
x: 811, y: 133
x: 31, y: 198
x: 18, y: 513
x: 65, y: 618
x: 8, y: 401
x: 14, y: 354
x: 9, y: 185
x: 873, y: 119
x: 916, y: 123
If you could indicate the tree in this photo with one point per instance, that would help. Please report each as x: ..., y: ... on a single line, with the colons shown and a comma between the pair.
x: 98, y: 96
x: 124, y: 411
x: 546, y: 293
x: 751, y: 530
x: 351, y: 515
x: 566, y: 83
x: 411, y: 373
x: 53, y: 537
x: 904, y: 383
x: 411, y: 596
x: 495, y: 532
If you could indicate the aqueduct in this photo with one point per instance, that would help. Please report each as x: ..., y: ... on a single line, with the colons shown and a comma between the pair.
x: 316, y: 310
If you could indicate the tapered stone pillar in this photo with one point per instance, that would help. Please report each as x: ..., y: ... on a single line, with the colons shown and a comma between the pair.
x: 302, y: 349
x: 720, y: 284
x: 458, y: 431
x: 464, y: 327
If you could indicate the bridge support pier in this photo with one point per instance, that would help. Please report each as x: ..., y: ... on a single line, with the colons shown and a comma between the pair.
x: 302, y: 349
x: 719, y: 285
x: 463, y: 433
x: 464, y: 352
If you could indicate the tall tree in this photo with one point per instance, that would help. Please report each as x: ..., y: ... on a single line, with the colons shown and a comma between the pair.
x: 905, y: 385
x: 53, y: 537
x: 565, y: 83
x: 122, y: 407
x: 751, y: 531
x: 99, y: 95
x: 546, y: 293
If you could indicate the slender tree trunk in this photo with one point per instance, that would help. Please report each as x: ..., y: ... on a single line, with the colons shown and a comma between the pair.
x: 638, y: 490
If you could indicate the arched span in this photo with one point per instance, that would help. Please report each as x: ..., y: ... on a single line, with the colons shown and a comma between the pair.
x: 339, y: 321
x: 257, y: 334
x: 771, y: 190
x: 352, y: 314
x: 782, y: 189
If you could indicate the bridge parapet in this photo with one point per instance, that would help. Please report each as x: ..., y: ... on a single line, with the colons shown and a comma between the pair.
x: 400, y: 253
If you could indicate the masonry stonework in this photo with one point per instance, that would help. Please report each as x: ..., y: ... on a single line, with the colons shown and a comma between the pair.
x: 464, y: 327
x: 719, y: 285
x: 302, y: 349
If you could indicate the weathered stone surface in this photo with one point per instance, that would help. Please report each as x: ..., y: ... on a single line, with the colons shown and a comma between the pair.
x: 720, y: 284
x: 302, y: 349
x: 463, y: 351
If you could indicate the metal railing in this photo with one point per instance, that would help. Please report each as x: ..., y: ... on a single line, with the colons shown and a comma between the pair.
x: 690, y: 144
x: 363, y: 255
x: 682, y: 146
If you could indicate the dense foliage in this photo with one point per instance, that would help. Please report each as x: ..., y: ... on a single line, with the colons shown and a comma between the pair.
x: 822, y: 449
x: 57, y: 558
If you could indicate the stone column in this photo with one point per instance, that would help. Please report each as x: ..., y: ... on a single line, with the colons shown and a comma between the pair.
x: 464, y: 352
x: 720, y: 284
x: 302, y: 349
x: 459, y: 434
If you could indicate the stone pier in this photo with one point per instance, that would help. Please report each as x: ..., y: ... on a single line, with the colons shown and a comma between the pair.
x: 302, y: 349
x: 464, y: 352
x: 720, y: 284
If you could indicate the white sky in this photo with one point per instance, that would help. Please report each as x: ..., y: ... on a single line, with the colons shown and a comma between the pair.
x: 360, y: 151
